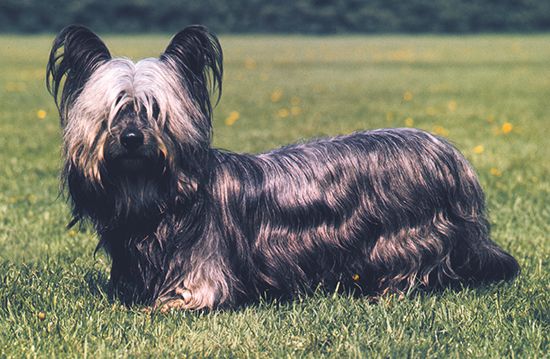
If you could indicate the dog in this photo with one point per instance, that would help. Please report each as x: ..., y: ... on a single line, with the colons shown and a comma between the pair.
x: 188, y: 226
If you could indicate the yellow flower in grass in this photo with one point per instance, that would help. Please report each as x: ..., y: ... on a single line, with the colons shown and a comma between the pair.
x: 232, y: 118
x: 283, y: 113
x: 507, y: 127
x: 41, y: 315
x: 276, y: 95
x: 355, y: 277
x: 249, y: 63
x: 389, y: 117
x: 441, y: 131
x: 431, y: 111
x: 478, y: 149
x: 409, y: 122
x: 451, y: 105
x: 295, y: 110
x: 495, y: 172
x: 41, y: 114
x: 407, y: 96
x: 15, y: 87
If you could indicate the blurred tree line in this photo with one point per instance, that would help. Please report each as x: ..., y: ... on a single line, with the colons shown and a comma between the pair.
x: 282, y: 16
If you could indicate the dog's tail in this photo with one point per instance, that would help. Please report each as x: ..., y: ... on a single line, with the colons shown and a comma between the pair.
x: 475, y: 257
x: 450, y: 246
x: 486, y: 262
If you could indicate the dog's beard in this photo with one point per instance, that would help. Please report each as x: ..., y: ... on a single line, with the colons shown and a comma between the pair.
x: 147, y: 162
x: 134, y: 187
x: 138, y: 197
x: 137, y: 181
x: 133, y: 165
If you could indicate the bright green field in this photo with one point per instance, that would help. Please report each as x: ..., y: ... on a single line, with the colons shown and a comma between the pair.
x: 489, y: 95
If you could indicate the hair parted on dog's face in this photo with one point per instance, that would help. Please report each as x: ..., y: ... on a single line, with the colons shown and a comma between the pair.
x: 121, y: 117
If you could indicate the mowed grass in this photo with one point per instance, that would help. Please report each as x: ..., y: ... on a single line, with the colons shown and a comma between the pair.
x: 489, y: 95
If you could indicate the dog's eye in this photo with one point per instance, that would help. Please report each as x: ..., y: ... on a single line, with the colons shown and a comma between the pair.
x: 119, y: 98
x: 156, y: 110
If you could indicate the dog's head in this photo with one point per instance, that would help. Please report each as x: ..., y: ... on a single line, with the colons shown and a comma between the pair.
x: 129, y: 126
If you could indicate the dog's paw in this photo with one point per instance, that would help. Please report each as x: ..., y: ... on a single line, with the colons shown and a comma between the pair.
x: 184, y: 300
x: 146, y: 310
x: 174, y: 304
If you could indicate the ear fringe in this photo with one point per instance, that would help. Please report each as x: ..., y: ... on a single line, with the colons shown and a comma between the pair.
x: 197, y: 56
x: 75, y: 53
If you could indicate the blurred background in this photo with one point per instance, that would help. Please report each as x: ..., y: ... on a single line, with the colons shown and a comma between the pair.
x: 473, y: 71
x: 281, y: 16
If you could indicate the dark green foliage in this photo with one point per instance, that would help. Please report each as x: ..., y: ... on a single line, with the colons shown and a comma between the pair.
x: 285, y: 16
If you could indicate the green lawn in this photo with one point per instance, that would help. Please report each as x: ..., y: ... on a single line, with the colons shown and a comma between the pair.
x: 489, y: 95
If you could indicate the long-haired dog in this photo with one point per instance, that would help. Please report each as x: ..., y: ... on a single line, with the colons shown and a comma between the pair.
x: 190, y: 226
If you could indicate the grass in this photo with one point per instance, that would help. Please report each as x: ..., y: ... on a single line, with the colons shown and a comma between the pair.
x: 487, y: 94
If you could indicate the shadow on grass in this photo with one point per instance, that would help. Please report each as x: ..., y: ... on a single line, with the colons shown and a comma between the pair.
x: 98, y: 285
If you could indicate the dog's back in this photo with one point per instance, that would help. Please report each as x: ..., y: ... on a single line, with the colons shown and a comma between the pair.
x: 396, y: 208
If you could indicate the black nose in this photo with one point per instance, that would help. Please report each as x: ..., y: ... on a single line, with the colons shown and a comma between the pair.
x: 131, y: 138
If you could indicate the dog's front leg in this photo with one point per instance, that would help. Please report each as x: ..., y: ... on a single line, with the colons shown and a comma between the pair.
x: 200, y: 297
x: 181, y: 300
x: 199, y: 290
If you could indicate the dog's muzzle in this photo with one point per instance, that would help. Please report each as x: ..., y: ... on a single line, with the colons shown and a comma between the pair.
x: 131, y: 139
x: 133, y: 151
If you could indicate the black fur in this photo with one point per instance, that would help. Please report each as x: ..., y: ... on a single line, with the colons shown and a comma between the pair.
x: 379, y: 211
x: 198, y: 57
x: 82, y: 52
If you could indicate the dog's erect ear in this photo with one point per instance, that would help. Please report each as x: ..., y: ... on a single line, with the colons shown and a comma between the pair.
x: 76, y: 53
x: 197, y: 56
